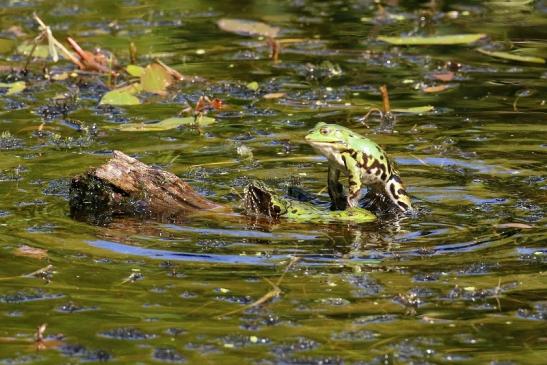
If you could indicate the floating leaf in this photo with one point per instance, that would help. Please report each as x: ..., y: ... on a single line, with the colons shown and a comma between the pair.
x: 135, y: 70
x: 414, y: 110
x: 539, y: 51
x: 156, y: 79
x: 166, y: 124
x: 436, y: 40
x: 122, y: 96
x: 13, y: 87
x: 508, y: 3
x: 253, y: 86
x: 511, y: 56
x: 248, y: 27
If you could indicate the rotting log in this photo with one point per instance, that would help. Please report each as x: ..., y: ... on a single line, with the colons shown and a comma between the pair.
x: 125, y: 186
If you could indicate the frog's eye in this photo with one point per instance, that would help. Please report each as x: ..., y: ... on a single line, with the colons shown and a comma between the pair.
x: 324, y: 131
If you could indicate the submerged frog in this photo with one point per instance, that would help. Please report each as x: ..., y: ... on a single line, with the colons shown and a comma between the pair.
x: 260, y: 200
x: 362, y: 160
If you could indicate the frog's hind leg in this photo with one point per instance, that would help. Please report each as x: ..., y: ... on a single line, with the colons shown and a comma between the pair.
x: 336, y: 190
x: 396, y: 192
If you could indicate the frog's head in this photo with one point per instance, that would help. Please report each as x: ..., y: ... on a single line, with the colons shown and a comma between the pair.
x: 329, y: 139
x: 324, y: 133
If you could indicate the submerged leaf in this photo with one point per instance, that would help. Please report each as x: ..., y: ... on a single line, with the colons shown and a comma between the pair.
x: 122, y: 96
x: 511, y: 56
x: 436, y: 40
x: 6, y: 45
x: 166, y: 124
x: 155, y: 79
x: 115, y: 97
x: 41, y: 51
x: 13, y: 87
x: 248, y: 27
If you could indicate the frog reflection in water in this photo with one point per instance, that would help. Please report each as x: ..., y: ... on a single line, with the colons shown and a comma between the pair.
x: 362, y: 160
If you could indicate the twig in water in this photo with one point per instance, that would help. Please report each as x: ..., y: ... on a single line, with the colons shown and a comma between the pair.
x: 132, y: 53
x: 46, y: 30
x: 497, y: 291
x: 39, y: 272
x: 275, y: 292
x: 363, y: 120
x: 388, y: 119
x: 171, y: 71
x: 39, y: 336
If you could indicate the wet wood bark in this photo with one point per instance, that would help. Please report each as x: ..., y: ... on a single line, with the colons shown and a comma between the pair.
x: 125, y: 186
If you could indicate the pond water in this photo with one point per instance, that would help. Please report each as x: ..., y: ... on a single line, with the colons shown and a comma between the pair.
x: 461, y: 282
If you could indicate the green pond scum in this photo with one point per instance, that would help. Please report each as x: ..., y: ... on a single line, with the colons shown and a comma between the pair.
x: 222, y: 93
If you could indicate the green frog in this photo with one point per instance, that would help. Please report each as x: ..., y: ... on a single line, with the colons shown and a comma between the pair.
x: 362, y: 160
x: 260, y: 200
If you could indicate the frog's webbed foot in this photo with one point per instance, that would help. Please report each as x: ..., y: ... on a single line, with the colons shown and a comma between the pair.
x: 376, y: 202
x: 352, y: 202
x: 380, y: 203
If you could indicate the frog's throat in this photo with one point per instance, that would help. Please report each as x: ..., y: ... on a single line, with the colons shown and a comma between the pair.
x: 395, y: 190
x: 331, y: 150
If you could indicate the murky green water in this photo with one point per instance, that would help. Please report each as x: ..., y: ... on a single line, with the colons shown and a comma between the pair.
x: 463, y: 282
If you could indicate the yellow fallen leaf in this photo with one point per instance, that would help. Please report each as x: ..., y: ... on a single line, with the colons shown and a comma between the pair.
x: 274, y: 95
x: 248, y: 27
x: 414, y: 110
x: 434, y: 40
x: 166, y: 124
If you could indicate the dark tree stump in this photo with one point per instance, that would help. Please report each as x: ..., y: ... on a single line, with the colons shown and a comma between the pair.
x: 125, y: 186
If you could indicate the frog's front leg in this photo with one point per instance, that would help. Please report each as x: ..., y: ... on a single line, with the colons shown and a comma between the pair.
x: 336, y: 190
x: 354, y: 177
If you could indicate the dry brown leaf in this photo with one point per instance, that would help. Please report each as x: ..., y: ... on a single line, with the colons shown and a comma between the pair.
x: 444, y: 76
x: 435, y: 88
x: 28, y: 251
